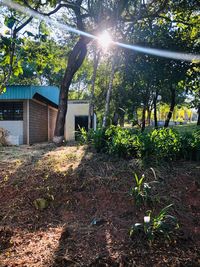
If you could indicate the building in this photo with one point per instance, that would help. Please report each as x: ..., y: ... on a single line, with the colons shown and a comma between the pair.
x: 29, y: 114
x: 77, y: 116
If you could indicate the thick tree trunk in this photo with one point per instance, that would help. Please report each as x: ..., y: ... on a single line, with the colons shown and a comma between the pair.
x: 105, y: 118
x: 198, y: 120
x: 172, y: 105
x: 91, y: 104
x: 75, y: 60
x: 143, y: 119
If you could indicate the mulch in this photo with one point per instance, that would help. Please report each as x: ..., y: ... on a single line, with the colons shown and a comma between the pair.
x: 90, y: 211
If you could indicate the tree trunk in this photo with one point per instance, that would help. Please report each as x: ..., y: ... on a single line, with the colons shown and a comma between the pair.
x: 149, y: 116
x: 172, y: 105
x: 155, y: 112
x: 143, y: 119
x: 109, y: 94
x: 115, y: 118
x: 75, y: 60
x: 198, y: 120
x: 91, y: 104
x: 121, y: 120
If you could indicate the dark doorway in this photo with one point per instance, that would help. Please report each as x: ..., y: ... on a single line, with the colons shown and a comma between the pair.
x: 80, y: 122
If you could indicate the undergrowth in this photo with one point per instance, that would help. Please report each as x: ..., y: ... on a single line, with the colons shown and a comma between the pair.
x: 164, y: 144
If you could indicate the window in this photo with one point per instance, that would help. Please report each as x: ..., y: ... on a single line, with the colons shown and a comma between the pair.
x: 11, y: 111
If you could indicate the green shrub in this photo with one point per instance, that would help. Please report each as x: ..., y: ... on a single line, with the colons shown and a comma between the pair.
x: 196, y: 143
x: 190, y: 145
x: 122, y: 142
x: 166, y: 143
x: 99, y: 140
x: 186, y: 151
x: 162, y: 144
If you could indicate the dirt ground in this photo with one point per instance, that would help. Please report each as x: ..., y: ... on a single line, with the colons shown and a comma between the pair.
x: 70, y: 206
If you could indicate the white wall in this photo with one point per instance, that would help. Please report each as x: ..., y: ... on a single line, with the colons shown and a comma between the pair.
x: 15, y: 129
x: 75, y: 108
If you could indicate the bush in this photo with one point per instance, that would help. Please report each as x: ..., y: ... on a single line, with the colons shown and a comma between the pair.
x: 190, y: 145
x: 122, y: 142
x: 163, y: 144
x: 166, y: 143
x: 99, y: 140
x: 3, y: 137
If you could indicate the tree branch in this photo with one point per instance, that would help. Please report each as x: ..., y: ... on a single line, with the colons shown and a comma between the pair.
x: 59, y: 6
x: 21, y: 26
x: 175, y: 21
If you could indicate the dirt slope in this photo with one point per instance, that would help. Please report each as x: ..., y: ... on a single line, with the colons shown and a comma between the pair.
x: 87, y: 210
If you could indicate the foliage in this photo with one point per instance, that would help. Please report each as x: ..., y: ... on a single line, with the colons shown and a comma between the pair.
x: 96, y: 138
x: 122, y: 142
x: 190, y: 145
x: 166, y: 143
x: 141, y: 191
x: 153, y: 227
x: 3, y: 135
x: 160, y: 144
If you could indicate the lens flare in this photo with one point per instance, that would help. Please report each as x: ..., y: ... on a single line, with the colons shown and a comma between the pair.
x: 105, y: 40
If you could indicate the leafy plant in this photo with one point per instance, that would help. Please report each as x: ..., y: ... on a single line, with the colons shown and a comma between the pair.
x: 161, y: 225
x: 141, y: 191
x: 166, y: 143
x: 190, y: 145
x: 159, y: 144
x: 99, y: 140
x: 122, y: 142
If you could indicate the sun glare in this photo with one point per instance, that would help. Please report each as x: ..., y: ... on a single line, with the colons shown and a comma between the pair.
x: 104, y: 40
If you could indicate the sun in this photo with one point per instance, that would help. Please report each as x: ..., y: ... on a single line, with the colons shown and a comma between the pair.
x: 104, y: 40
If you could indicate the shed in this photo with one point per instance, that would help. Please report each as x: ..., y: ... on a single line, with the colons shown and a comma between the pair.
x: 29, y: 114
x: 77, y: 117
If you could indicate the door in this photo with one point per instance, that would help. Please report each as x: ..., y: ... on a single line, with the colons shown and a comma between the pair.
x: 80, y: 122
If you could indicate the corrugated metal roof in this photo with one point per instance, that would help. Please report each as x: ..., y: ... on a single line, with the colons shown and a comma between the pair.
x: 51, y: 93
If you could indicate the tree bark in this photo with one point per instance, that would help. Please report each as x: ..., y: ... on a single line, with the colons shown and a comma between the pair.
x: 149, y: 115
x: 198, y: 120
x: 172, y: 105
x: 75, y: 60
x: 91, y: 104
x: 143, y: 119
x: 115, y: 118
x: 155, y: 112
x: 105, y: 118
x: 121, y: 120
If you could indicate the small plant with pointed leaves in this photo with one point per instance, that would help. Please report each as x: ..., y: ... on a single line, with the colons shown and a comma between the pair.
x: 156, y: 226
x: 141, y: 191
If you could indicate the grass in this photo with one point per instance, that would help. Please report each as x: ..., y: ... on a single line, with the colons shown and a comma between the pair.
x: 189, y: 128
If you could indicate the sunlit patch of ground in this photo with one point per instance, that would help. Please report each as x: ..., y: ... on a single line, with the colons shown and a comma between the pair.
x: 32, y: 248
